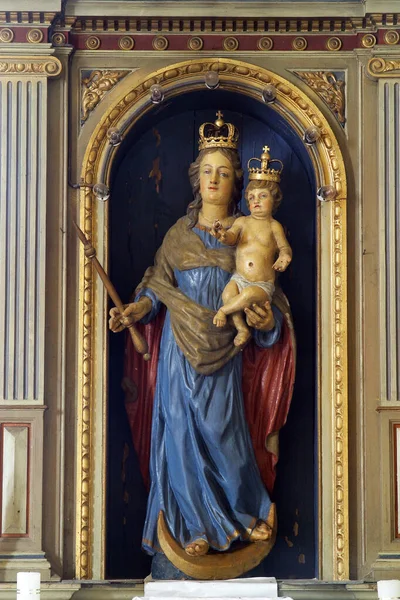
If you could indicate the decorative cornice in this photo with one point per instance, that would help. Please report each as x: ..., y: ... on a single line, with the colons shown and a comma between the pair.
x: 111, y: 33
x: 48, y: 66
x: 95, y: 85
x: 381, y: 67
x: 329, y: 88
x: 283, y: 34
x: 237, y: 25
x: 27, y: 18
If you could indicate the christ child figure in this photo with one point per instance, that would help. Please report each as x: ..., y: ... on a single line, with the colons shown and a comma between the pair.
x: 262, y: 249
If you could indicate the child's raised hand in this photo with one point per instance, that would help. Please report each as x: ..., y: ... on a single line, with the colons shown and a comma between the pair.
x: 217, y: 230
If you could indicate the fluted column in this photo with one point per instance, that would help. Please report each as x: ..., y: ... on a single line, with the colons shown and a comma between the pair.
x: 23, y: 172
x: 384, y: 68
x: 389, y: 169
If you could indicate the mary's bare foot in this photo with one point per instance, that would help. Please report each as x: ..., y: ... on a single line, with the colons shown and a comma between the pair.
x: 220, y: 319
x: 261, y: 532
x: 243, y: 336
x: 197, y: 548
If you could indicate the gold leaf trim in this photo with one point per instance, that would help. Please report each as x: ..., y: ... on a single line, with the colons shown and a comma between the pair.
x: 391, y: 37
x: 93, y: 42
x: 59, y: 39
x: 329, y: 88
x: 299, y: 43
x: 126, y: 42
x: 368, y: 40
x: 6, y: 35
x: 340, y: 379
x: 334, y: 44
x: 195, y: 43
x: 24, y: 65
x: 230, y: 44
x: 380, y: 67
x: 160, y: 43
x: 34, y: 36
x: 265, y: 43
x: 96, y: 86
x: 84, y: 482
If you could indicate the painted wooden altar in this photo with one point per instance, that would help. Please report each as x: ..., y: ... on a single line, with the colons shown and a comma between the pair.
x: 69, y: 73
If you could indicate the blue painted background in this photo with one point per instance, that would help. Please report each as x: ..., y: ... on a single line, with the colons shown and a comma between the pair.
x: 139, y: 218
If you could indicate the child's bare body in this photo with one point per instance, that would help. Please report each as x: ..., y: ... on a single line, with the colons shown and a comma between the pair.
x: 262, y: 249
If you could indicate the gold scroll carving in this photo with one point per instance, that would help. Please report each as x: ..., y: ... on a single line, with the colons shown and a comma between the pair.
x: 26, y: 65
x: 380, y: 67
x: 329, y: 88
x: 95, y: 88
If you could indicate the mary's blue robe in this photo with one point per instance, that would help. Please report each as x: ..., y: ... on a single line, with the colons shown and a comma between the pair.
x: 203, y: 471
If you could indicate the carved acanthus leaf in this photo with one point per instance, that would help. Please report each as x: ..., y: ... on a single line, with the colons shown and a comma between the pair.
x: 329, y: 88
x: 96, y: 86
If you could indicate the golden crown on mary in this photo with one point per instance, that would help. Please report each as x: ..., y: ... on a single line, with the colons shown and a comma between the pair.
x: 264, y: 172
x: 218, y: 134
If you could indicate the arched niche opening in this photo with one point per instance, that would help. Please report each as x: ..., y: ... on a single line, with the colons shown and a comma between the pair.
x: 150, y: 190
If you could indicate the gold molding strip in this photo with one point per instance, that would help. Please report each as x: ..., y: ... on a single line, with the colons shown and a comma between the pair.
x: 300, y: 112
x: 341, y: 527
x: 48, y: 66
x: 84, y: 433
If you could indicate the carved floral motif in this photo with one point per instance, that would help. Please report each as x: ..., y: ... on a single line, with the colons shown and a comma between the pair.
x: 329, y: 88
x: 96, y: 86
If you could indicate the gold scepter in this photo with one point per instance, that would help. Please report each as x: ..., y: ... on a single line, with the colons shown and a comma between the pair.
x: 138, y: 340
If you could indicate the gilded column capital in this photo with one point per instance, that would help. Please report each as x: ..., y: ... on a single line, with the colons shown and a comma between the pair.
x: 378, y: 67
x: 47, y: 66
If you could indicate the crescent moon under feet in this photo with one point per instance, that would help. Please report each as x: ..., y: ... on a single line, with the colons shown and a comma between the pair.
x: 220, y: 565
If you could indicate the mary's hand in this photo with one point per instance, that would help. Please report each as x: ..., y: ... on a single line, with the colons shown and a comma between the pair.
x: 260, y: 317
x: 132, y: 312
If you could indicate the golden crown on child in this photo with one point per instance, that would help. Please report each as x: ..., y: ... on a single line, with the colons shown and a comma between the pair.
x: 218, y: 134
x: 264, y: 173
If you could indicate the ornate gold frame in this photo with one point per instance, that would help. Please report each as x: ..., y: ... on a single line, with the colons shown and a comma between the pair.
x: 329, y: 168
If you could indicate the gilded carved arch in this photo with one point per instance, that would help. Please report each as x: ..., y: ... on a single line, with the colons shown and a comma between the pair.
x: 301, y: 113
